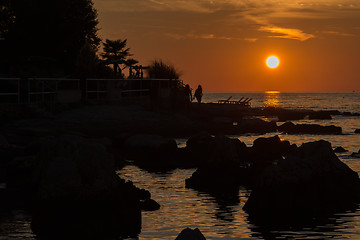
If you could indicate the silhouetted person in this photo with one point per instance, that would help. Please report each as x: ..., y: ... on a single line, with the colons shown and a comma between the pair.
x: 188, y: 93
x: 198, y: 94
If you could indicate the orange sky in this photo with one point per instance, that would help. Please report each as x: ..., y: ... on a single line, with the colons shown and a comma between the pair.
x: 223, y: 44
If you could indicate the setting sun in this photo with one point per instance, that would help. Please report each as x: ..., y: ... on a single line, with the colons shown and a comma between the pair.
x: 272, y: 62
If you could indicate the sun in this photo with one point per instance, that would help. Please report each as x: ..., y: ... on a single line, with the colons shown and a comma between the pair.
x: 272, y: 62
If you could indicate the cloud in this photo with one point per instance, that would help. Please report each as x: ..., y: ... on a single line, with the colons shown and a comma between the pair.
x: 289, y: 33
x: 235, y: 19
x: 250, y: 39
x: 338, y: 33
x: 196, y: 36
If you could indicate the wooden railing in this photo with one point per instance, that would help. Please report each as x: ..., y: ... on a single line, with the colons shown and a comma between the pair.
x: 30, y: 90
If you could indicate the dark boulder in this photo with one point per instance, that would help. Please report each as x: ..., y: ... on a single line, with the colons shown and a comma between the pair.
x: 190, y: 234
x: 311, y: 179
x: 286, y: 115
x: 198, y: 148
x: 149, y: 205
x: 231, y: 163
x: 273, y: 147
x: 265, y: 152
x: 340, y: 150
x: 357, y: 155
x: 320, y: 115
x: 254, y: 125
x: 292, y: 128
x: 150, y: 151
x: 146, y: 144
x: 77, y: 192
x: 223, y: 167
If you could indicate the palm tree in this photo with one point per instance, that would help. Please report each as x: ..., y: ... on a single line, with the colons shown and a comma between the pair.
x: 116, y: 53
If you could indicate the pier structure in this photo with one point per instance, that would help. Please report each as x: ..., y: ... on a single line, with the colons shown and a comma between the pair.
x: 65, y: 90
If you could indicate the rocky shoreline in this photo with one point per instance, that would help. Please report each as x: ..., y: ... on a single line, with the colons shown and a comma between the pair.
x: 62, y: 167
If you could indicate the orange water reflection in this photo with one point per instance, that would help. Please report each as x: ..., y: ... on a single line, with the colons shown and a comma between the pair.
x: 272, y: 98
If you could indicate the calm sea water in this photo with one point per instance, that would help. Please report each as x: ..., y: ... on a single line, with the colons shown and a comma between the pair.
x: 225, y: 219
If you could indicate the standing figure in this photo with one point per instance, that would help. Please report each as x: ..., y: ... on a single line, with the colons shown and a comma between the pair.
x: 198, y: 94
x: 188, y: 93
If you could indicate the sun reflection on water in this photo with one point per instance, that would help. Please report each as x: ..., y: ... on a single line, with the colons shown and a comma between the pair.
x: 272, y: 98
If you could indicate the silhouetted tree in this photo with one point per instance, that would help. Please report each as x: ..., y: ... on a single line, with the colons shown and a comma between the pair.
x: 162, y: 70
x: 56, y: 29
x: 88, y: 64
x: 6, y: 18
x: 116, y: 53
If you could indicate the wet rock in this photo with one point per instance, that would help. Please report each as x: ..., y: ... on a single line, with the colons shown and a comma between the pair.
x: 357, y: 155
x: 230, y: 163
x: 197, y: 147
x: 222, y: 170
x: 145, y: 144
x: 190, y: 234
x: 340, y: 150
x: 77, y: 191
x: 150, y: 151
x: 310, y: 180
x: 3, y: 142
x: 287, y: 115
x: 357, y: 130
x: 149, y: 205
x: 265, y: 151
x: 272, y: 146
x: 320, y: 115
x: 255, y: 125
x: 222, y: 120
x: 292, y: 128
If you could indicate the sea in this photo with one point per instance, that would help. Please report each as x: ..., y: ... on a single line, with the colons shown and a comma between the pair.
x: 221, y: 218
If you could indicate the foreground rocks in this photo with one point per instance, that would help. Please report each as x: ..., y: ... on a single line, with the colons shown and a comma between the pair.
x: 285, y: 179
x: 70, y: 186
x: 340, y: 150
x: 190, y: 234
x: 311, y: 180
x: 222, y: 165
x: 356, y: 154
x: 292, y: 128
x: 231, y: 163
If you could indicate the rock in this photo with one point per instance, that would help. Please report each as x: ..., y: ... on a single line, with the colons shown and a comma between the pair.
x: 145, y: 144
x: 197, y: 147
x: 286, y: 115
x: 320, y: 115
x: 150, y: 151
x: 357, y: 155
x: 267, y: 150
x: 255, y: 125
x: 78, y: 193
x: 310, y: 180
x: 222, y: 120
x: 272, y: 146
x: 292, y: 128
x: 222, y: 168
x: 3, y: 142
x: 74, y: 165
x: 357, y: 130
x: 231, y: 163
x: 149, y: 205
x: 190, y: 234
x: 340, y: 150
